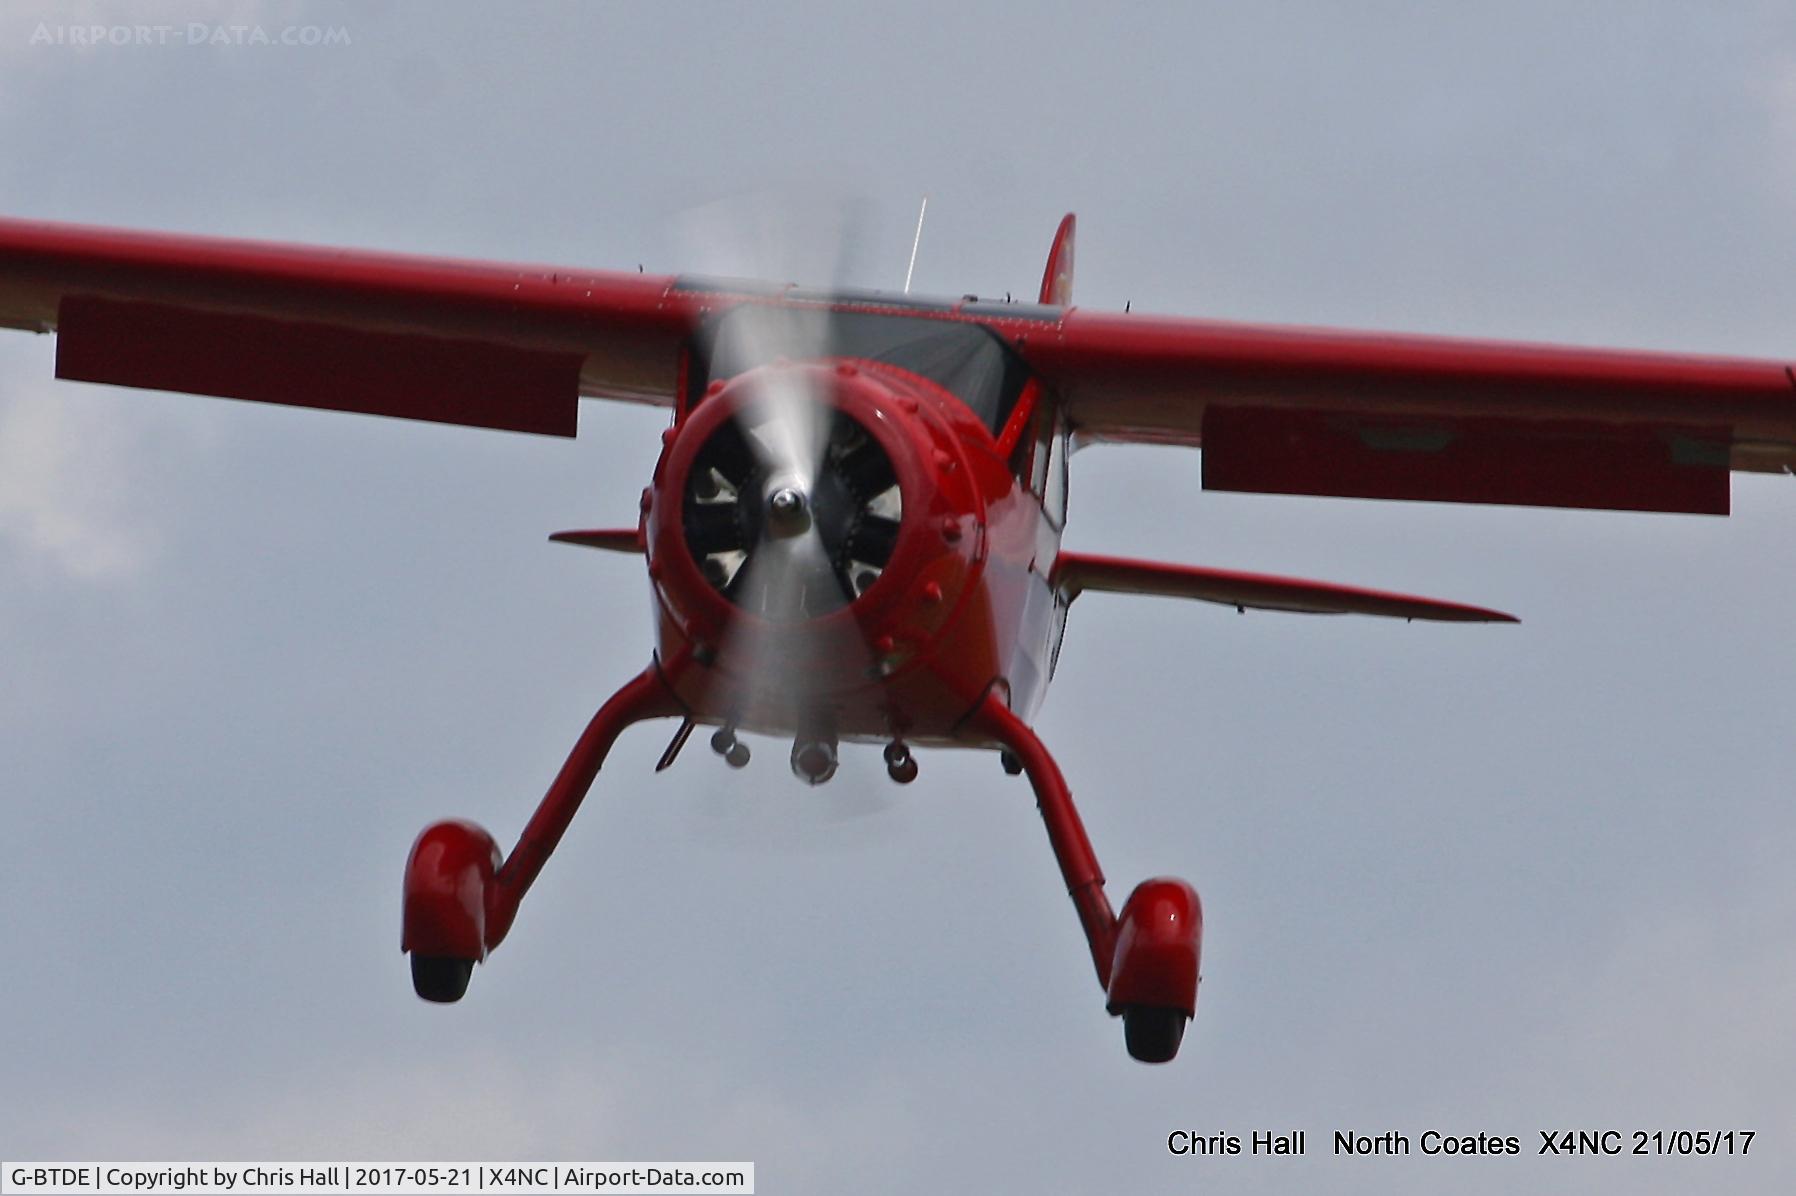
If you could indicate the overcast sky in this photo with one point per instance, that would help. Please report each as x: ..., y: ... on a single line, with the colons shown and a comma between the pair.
x: 1471, y: 879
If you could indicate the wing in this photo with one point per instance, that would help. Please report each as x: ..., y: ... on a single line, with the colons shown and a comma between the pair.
x: 476, y: 343
x: 1302, y: 411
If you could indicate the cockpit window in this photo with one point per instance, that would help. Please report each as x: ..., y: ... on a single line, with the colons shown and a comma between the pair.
x: 965, y: 359
x: 1053, y: 498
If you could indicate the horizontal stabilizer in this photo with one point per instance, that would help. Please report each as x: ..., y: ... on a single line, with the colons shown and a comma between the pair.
x: 614, y: 539
x: 1076, y: 572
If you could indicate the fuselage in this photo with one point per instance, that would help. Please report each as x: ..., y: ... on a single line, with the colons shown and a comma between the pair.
x: 953, y: 598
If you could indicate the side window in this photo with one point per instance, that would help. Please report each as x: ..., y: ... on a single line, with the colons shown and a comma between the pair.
x: 1047, y: 467
x: 1053, y: 499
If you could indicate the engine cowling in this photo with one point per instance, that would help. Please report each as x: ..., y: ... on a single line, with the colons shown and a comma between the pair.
x: 791, y: 584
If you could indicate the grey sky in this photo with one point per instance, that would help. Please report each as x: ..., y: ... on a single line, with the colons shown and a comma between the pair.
x: 1472, y: 879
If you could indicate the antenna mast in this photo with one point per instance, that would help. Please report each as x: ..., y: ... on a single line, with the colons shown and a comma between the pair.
x: 916, y: 241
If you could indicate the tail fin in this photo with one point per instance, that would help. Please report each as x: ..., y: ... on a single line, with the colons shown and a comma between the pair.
x: 1057, y: 282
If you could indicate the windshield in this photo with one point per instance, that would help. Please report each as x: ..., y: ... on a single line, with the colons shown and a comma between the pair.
x: 965, y: 359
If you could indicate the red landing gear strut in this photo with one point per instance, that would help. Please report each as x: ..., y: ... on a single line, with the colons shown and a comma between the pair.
x: 460, y: 898
x: 461, y: 895
x: 1146, y: 959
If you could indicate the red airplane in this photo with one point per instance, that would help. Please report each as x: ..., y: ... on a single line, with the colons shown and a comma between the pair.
x: 853, y: 531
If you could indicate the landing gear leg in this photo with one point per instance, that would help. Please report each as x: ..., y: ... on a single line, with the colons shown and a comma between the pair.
x: 1147, y: 959
x: 460, y: 898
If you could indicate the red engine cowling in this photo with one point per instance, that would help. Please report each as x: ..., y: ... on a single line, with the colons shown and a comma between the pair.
x: 1159, y: 942
x: 898, y: 523
x: 447, y: 879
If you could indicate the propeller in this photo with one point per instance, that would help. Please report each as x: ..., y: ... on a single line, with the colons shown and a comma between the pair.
x: 791, y: 508
x: 791, y: 516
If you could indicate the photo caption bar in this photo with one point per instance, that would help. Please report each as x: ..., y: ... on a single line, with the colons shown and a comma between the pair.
x: 378, y: 1179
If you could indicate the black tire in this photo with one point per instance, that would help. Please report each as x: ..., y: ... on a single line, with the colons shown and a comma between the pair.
x: 441, y: 978
x: 1153, y: 1032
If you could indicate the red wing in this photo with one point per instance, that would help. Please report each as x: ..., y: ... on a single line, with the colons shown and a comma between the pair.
x: 484, y: 344
x: 1298, y: 411
x: 1076, y: 572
